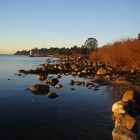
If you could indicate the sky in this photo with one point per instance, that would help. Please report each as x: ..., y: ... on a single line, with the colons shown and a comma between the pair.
x: 26, y: 24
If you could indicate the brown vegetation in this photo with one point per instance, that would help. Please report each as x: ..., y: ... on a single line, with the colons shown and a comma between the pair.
x: 121, y: 53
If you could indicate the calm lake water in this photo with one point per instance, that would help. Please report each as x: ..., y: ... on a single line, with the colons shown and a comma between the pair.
x: 80, y: 114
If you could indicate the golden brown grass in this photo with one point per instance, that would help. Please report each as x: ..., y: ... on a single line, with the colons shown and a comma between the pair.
x: 122, y: 53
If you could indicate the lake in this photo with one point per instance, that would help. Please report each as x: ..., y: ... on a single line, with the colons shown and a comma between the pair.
x: 80, y: 114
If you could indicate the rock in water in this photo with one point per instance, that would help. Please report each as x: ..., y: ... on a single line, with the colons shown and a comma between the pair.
x: 58, y: 86
x: 52, y: 81
x: 41, y: 77
x: 72, y: 82
x: 121, y: 133
x: 39, y: 89
x: 52, y: 95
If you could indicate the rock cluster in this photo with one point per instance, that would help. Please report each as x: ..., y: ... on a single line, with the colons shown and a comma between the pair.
x: 125, y: 113
x: 44, y: 89
x: 86, y: 84
x: 80, y: 67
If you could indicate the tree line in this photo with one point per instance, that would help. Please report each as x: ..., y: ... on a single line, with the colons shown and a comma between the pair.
x: 90, y: 45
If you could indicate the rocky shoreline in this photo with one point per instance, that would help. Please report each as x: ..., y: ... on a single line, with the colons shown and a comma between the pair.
x: 125, y: 85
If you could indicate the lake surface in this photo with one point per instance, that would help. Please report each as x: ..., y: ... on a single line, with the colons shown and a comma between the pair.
x: 80, y: 114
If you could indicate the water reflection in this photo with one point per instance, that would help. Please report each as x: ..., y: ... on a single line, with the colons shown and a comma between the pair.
x: 83, y: 113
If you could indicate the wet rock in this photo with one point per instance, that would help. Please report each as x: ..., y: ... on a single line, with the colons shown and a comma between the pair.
x: 74, y: 73
x: 88, y: 84
x: 78, y: 83
x: 72, y: 82
x: 59, y: 76
x: 41, y: 67
x: 67, y: 73
x: 60, y: 67
x: 22, y: 71
x: 82, y: 83
x: 18, y: 74
x: 58, y: 86
x: 39, y: 89
x: 81, y: 74
x: 96, y: 87
x: 67, y: 66
x: 52, y: 95
x: 128, y: 95
x: 107, y: 77
x: 72, y: 88
x: 41, y: 77
x: 52, y: 81
x: 122, y: 133
x: 96, y: 77
x: 74, y: 66
x: 27, y: 89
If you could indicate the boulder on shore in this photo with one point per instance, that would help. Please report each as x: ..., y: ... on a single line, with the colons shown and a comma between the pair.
x: 125, y: 120
x: 128, y: 96
x: 101, y: 71
x: 118, y: 107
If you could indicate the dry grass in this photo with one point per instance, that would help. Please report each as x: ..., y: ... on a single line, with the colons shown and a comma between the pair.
x: 122, y: 53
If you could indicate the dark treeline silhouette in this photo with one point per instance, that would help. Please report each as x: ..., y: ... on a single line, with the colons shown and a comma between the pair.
x: 89, y: 46
x: 55, y: 51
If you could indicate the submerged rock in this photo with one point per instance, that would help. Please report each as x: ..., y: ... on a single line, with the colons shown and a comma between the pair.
x: 52, y: 95
x: 59, y: 76
x: 72, y: 88
x: 36, y: 71
x: 39, y: 89
x: 41, y: 77
x: 72, y: 82
x: 18, y: 74
x: 52, y: 81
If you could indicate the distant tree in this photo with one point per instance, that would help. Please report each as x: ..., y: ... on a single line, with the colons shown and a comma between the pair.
x: 91, y: 44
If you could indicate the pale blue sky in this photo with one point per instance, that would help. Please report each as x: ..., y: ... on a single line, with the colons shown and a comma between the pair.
x: 25, y: 24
